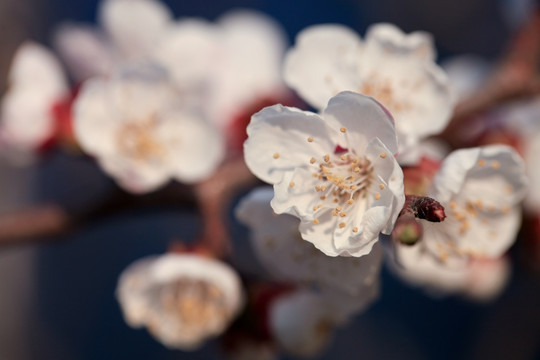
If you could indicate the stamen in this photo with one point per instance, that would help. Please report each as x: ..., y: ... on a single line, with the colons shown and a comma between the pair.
x: 383, y: 155
x: 315, y: 221
x: 276, y: 155
x: 310, y: 139
x: 313, y: 160
x: 343, y: 129
x: 291, y: 184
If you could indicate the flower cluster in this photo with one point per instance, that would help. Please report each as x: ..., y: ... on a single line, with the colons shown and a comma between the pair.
x: 368, y: 175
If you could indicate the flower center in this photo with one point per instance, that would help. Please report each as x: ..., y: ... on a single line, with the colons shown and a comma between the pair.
x: 195, y: 303
x: 343, y: 178
x: 137, y: 141
x: 383, y: 90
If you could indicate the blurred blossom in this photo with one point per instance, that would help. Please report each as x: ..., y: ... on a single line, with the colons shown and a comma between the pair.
x: 481, y: 190
x: 302, y: 322
x: 397, y: 69
x: 287, y: 257
x: 480, y: 279
x: 36, y: 83
x: 181, y: 299
x: 130, y: 30
x: 335, y: 171
x: 252, y: 47
x: 141, y: 132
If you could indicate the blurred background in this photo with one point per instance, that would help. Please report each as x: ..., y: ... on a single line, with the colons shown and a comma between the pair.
x: 57, y: 297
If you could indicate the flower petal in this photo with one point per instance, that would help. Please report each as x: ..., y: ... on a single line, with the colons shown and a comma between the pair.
x: 391, y: 38
x: 84, y: 49
x: 196, y: 148
x: 134, y: 25
x: 359, y: 119
x: 322, y: 63
x: 278, y: 141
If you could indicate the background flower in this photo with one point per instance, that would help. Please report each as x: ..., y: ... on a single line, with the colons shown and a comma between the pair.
x: 181, y: 299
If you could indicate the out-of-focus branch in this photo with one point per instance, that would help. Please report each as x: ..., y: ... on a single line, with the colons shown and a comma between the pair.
x: 213, y: 198
x: 516, y: 77
x: 39, y: 221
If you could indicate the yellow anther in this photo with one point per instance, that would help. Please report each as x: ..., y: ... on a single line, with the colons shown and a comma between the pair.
x: 350, y: 201
x: 326, y: 158
x: 382, y: 187
x: 481, y: 162
x: 377, y: 196
x: 315, y: 221
x: 356, y: 169
x: 323, y: 188
x: 355, y: 229
x: 335, y: 212
x: 383, y: 155
x: 291, y: 184
x: 313, y: 160
x: 342, y: 225
x: 323, y: 197
x: 276, y: 155
x: 310, y: 139
x: 343, y: 214
x: 453, y: 204
x: 344, y: 157
x: 335, y: 201
x: 495, y: 165
x: 343, y: 129
x: 338, y: 208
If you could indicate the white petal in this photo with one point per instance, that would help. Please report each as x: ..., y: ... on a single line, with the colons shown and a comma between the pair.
x: 495, y: 173
x: 322, y: 63
x: 363, y: 119
x: 93, y: 118
x: 134, y: 25
x: 84, y: 50
x: 388, y: 36
x: 285, y: 255
x: 36, y: 67
x: 27, y: 119
x: 188, y: 51
x: 252, y: 49
x: 278, y: 141
x: 195, y: 147
x: 301, y: 323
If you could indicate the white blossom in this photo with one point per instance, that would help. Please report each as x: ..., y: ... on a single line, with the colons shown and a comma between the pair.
x: 181, y: 299
x: 36, y: 82
x: 481, y: 190
x: 335, y: 171
x: 287, y: 257
x: 395, y: 68
x: 142, y: 133
x: 303, y: 321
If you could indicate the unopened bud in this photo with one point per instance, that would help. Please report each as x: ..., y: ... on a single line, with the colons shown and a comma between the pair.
x: 426, y: 208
